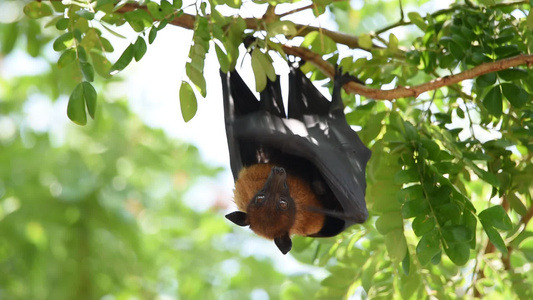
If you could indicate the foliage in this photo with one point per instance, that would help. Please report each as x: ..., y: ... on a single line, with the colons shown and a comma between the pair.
x: 98, y: 212
x: 450, y: 177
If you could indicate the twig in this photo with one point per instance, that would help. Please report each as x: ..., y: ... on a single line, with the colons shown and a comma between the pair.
x: 299, y: 9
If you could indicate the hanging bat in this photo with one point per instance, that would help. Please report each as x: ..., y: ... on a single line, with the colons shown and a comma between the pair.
x: 301, y: 173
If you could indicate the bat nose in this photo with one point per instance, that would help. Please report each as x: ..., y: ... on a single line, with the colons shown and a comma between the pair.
x: 278, y: 170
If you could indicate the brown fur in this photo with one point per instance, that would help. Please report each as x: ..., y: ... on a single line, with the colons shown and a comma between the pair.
x: 268, y: 224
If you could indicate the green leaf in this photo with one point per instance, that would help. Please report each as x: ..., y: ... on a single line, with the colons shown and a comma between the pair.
x: 112, y: 31
x: 64, y: 41
x: 90, y: 96
x: 82, y: 54
x: 493, y: 101
x: 396, y: 245
x: 406, y: 263
x: 495, y: 237
x: 87, y: 70
x: 123, y: 61
x: 138, y: 19
x: 417, y: 20
x: 456, y: 234
x: 365, y: 41
x: 222, y: 59
x: 407, y: 176
x: 486, y: 79
x: 167, y: 8
x: 516, y: 204
x: 393, y: 42
x: 100, y: 3
x: 423, y: 224
x: 197, y: 62
x: 516, y: 95
x: 66, y: 58
x: 152, y: 35
x: 76, y: 106
x: 448, y: 212
x: 415, y: 208
x: 373, y: 128
x: 101, y: 64
x: 139, y: 48
x: 197, y: 78
x: 432, y: 148
x: 188, y: 103
x: 428, y: 247
x: 106, y: 45
x: 62, y: 24
x: 259, y: 72
x: 10, y: 36
x: 456, y: 50
x: 177, y: 3
x: 389, y: 221
x: 506, y: 51
x: 497, y: 217
x: 155, y: 10
x: 36, y: 10
x: 286, y: 28
x: 234, y: 3
x: 85, y: 14
x: 266, y: 63
x: 512, y: 74
x: 319, y: 43
x: 459, y: 253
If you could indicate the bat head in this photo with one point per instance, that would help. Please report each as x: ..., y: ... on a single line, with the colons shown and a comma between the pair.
x: 271, y: 211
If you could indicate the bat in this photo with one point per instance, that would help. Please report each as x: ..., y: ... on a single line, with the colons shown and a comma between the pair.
x: 299, y: 173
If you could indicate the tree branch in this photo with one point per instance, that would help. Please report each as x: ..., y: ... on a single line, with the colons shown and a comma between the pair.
x: 414, y: 91
x: 187, y: 21
x: 409, y: 91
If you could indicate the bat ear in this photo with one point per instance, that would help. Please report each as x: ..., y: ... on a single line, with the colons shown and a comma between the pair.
x: 284, y: 243
x: 238, y: 217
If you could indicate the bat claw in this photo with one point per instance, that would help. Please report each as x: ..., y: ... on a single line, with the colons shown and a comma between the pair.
x: 344, y: 78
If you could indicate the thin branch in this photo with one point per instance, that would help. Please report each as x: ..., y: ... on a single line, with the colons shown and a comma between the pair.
x: 299, y: 9
x: 296, y: 10
x: 527, y: 217
x: 187, y: 21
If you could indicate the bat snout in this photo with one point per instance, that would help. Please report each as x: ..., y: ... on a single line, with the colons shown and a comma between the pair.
x: 278, y: 170
x: 278, y: 176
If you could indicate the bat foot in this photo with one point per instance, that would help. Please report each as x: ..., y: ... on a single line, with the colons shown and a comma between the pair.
x: 344, y: 78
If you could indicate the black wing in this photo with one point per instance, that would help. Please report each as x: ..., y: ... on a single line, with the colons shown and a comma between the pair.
x: 315, y: 133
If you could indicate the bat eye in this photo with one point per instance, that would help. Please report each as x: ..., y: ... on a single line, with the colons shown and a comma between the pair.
x: 285, y: 185
x: 259, y: 198
x: 283, y: 204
